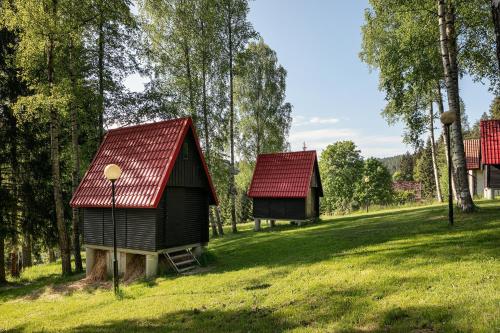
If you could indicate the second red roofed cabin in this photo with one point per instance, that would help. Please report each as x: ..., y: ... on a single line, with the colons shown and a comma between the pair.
x: 286, y: 186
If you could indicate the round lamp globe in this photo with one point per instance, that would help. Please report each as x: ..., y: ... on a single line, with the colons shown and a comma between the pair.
x: 112, y: 172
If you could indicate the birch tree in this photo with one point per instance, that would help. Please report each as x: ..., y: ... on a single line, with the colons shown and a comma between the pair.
x: 264, y: 116
x: 235, y: 34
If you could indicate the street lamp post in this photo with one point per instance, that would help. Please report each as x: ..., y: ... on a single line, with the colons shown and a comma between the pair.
x: 448, y: 118
x: 113, y: 172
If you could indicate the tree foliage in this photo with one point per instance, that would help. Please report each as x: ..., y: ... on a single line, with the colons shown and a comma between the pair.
x: 375, y: 185
x: 341, y: 168
x: 264, y: 116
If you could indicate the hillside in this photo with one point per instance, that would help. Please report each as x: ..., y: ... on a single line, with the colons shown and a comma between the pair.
x: 396, y: 271
x: 392, y: 163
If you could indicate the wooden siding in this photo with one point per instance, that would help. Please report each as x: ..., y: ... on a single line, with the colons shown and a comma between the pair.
x: 188, y: 172
x: 185, y: 223
x: 135, y: 228
x: 493, y: 177
x: 287, y: 208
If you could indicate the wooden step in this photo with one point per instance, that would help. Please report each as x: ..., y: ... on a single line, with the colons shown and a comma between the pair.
x: 182, y: 270
x: 184, y: 262
x: 180, y: 256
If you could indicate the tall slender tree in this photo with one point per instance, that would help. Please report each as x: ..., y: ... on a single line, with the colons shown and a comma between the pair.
x: 448, y: 43
x: 236, y: 33
x: 264, y: 116
x: 42, y: 26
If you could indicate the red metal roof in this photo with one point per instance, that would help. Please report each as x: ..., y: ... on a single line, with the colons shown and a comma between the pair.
x: 490, y: 142
x: 472, y: 154
x: 146, y: 154
x: 283, y: 175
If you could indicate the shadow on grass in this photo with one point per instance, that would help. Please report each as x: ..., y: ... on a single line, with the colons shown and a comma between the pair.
x: 343, y: 236
x: 32, y: 289
x: 290, y: 246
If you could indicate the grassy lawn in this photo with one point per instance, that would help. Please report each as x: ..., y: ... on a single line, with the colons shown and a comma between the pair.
x: 392, y: 271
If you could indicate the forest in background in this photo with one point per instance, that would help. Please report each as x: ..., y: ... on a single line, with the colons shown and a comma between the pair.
x: 63, y: 64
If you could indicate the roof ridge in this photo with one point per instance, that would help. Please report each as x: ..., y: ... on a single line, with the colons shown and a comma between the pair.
x: 288, y: 152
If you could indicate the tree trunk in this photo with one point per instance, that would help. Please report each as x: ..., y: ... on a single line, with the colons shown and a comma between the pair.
x: 445, y: 137
x: 27, y: 245
x: 14, y: 264
x: 495, y: 13
x: 232, y: 187
x: 3, y: 279
x: 55, y: 157
x: 100, y: 74
x: 205, y: 120
x: 52, y: 255
x: 213, y: 225
x: 75, y: 175
x: 220, y: 229
x: 449, y: 57
x: 14, y: 241
x: 189, y: 75
x: 433, y: 153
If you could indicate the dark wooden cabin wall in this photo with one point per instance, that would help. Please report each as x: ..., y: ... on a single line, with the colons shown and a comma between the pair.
x: 286, y: 208
x: 493, y: 177
x: 185, y: 223
x: 184, y: 218
x: 188, y: 172
x: 135, y: 228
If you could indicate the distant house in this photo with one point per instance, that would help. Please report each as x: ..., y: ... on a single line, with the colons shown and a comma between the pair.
x: 409, y: 186
x: 490, y: 156
x: 162, y: 196
x: 475, y: 176
x: 286, y: 186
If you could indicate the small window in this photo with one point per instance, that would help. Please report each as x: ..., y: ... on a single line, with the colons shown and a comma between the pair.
x: 185, y: 151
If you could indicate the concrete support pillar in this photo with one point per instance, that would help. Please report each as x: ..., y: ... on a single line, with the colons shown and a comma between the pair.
x: 151, y: 265
x: 90, y: 259
x: 109, y: 263
x: 273, y: 223
x: 198, y: 251
x: 489, y: 193
x: 257, y: 225
x: 122, y: 263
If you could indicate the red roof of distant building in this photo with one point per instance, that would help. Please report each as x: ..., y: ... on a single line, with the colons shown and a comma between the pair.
x: 472, y: 154
x: 283, y: 175
x: 146, y: 154
x: 490, y: 142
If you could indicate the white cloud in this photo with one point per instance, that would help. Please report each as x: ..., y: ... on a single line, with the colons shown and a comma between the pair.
x: 319, y: 120
x: 301, y: 121
x: 370, y: 145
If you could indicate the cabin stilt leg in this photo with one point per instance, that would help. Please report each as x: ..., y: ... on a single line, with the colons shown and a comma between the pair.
x: 109, y: 263
x: 273, y: 223
x: 257, y: 225
x: 489, y: 193
x: 90, y: 260
x: 198, y: 251
x: 122, y: 263
x: 151, y: 265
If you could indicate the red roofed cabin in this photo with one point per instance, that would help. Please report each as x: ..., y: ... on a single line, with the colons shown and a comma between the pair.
x: 162, y: 196
x: 286, y: 186
x: 490, y: 156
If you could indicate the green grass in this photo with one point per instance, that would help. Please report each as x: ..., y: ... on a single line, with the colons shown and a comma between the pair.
x: 392, y: 271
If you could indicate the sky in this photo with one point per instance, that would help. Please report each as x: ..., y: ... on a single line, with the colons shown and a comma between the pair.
x: 334, y: 95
